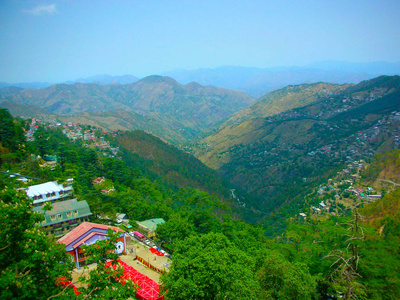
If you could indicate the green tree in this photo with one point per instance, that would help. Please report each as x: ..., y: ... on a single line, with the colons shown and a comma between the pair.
x: 30, y: 262
x: 210, y: 267
x: 280, y: 279
x: 176, y: 229
x: 11, y: 132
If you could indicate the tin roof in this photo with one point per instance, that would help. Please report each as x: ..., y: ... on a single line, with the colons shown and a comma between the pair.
x: 66, y: 209
x: 152, y: 223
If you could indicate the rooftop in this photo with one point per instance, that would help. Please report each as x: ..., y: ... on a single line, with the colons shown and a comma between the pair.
x: 152, y: 223
x: 63, y: 207
x: 82, y: 229
x: 44, y: 188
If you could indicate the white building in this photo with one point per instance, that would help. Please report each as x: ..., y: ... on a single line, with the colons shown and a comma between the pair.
x: 49, y: 191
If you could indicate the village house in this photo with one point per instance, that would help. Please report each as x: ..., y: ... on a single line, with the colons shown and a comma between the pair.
x: 49, y: 192
x: 64, y: 216
x: 149, y: 226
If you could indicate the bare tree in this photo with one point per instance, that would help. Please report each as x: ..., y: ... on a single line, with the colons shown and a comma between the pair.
x: 345, y: 271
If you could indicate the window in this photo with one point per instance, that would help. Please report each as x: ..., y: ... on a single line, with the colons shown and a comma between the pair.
x: 69, y: 214
x: 53, y: 218
x: 75, y: 212
x: 59, y: 216
x: 48, y: 195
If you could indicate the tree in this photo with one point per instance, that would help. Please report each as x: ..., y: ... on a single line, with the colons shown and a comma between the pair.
x: 30, y: 262
x: 345, y: 274
x: 12, y: 138
x: 280, y: 279
x: 210, y: 267
x: 11, y: 132
x: 176, y: 229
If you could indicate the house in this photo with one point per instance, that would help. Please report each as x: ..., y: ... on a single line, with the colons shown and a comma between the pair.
x: 122, y: 218
x: 149, y: 226
x: 98, y: 180
x: 64, y: 216
x: 87, y: 234
x: 49, y: 164
x: 49, y: 191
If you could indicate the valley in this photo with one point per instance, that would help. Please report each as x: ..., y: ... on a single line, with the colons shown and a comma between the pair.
x: 275, y: 184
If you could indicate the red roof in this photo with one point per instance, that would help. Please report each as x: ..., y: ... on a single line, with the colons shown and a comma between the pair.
x: 82, y: 229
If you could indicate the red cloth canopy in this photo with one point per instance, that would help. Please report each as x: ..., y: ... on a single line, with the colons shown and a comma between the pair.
x: 148, y: 288
x: 156, y: 252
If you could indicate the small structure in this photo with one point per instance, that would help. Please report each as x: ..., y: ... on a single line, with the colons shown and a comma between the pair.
x: 98, y: 180
x: 64, y: 216
x: 154, y: 260
x: 86, y: 234
x: 149, y: 226
x: 49, y: 191
x: 122, y: 218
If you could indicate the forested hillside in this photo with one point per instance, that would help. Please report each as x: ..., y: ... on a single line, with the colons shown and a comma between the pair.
x: 278, y: 158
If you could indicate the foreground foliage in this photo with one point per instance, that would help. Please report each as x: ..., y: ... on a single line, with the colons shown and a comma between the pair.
x: 210, y: 267
x: 30, y: 262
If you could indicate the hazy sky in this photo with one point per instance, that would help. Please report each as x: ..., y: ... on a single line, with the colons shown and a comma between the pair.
x: 55, y: 41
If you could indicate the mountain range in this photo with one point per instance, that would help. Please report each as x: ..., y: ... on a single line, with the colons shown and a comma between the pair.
x: 155, y: 103
x: 255, y: 81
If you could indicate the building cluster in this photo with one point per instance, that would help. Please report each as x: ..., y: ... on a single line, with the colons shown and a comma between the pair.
x: 345, y: 182
x: 62, y: 212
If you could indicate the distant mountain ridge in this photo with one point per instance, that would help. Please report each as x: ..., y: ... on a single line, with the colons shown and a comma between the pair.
x: 259, y: 81
x: 106, y: 79
x: 187, y: 109
x: 255, y: 81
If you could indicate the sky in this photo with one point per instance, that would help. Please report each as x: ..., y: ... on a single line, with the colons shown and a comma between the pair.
x: 56, y: 41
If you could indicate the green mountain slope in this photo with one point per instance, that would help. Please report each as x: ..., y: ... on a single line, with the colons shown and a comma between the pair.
x: 177, y: 168
x: 285, y: 99
x: 140, y: 183
x: 277, y: 157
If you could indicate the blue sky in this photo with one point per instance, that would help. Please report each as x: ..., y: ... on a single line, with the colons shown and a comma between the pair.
x: 55, y: 41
